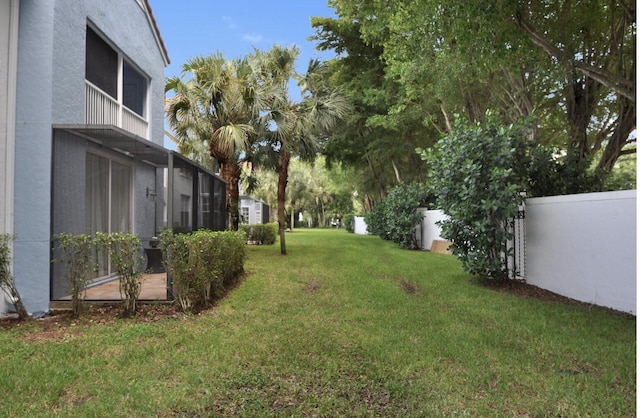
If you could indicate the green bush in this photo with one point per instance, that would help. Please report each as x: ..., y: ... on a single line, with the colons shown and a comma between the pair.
x: 7, y: 283
x: 202, y: 264
x: 265, y: 234
x: 350, y: 222
x: 395, y: 218
x: 76, y: 252
x: 477, y: 173
x: 125, y: 255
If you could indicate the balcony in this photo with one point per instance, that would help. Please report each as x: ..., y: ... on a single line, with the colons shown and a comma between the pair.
x: 102, y: 109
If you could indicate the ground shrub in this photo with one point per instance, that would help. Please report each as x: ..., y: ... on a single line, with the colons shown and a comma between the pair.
x: 395, y: 218
x: 261, y: 233
x: 125, y: 255
x: 77, y: 253
x: 7, y: 282
x: 202, y: 264
x: 350, y: 223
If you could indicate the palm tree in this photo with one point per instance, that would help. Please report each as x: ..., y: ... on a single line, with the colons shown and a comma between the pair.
x: 295, y: 129
x: 217, y: 105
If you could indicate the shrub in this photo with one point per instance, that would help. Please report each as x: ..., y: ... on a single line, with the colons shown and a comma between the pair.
x: 202, y: 264
x: 263, y: 233
x: 350, y: 223
x: 395, y: 218
x: 124, y: 251
x: 76, y: 252
x: 477, y: 173
x: 7, y: 283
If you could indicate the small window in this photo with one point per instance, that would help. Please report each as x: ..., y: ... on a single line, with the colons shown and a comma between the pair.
x: 134, y: 89
x: 101, y: 64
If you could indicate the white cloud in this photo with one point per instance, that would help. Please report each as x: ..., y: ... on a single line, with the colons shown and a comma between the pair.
x: 231, y: 24
x: 252, y: 38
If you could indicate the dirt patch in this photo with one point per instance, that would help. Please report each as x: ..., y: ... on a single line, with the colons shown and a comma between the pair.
x: 312, y: 286
x: 60, y: 326
x: 522, y: 289
x: 409, y: 287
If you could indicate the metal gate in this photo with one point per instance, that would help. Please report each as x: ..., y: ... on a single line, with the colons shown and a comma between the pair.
x: 516, y: 247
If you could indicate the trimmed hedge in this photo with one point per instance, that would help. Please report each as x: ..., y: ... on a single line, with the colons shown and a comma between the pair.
x: 202, y: 264
x: 265, y: 234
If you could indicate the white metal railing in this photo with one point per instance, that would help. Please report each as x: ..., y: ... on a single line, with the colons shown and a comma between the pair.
x: 134, y: 123
x: 102, y: 109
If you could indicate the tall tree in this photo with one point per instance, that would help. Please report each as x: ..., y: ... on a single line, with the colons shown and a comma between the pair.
x: 217, y: 104
x: 294, y: 129
x: 569, y: 64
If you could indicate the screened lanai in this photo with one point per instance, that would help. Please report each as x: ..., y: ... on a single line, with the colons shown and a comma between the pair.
x: 107, y: 179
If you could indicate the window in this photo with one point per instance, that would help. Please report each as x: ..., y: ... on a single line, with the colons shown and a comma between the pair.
x: 185, y: 210
x: 107, y: 199
x: 101, y: 64
x: 245, y: 215
x: 258, y: 213
x: 108, y: 70
x: 134, y: 89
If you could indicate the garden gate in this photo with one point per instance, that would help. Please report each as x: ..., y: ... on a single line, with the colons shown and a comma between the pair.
x: 516, y: 247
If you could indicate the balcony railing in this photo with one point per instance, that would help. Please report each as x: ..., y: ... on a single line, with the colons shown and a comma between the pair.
x: 102, y: 109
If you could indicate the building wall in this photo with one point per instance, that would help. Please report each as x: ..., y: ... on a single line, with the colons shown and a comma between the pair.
x: 584, y: 247
x: 8, y: 73
x: 50, y: 90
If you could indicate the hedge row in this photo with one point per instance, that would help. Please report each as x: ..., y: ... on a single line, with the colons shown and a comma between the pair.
x: 261, y: 233
x: 202, y: 264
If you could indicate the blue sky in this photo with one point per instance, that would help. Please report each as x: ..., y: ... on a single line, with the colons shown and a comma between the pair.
x: 201, y: 27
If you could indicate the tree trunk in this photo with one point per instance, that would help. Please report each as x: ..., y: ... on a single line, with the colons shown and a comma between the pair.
x: 283, y: 174
x: 230, y: 172
x: 293, y: 214
x: 625, y: 124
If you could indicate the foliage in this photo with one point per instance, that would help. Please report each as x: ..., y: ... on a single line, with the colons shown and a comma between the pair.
x: 570, y: 66
x: 202, y: 264
x: 265, y: 234
x: 124, y: 251
x: 7, y: 282
x: 76, y: 252
x: 350, y: 222
x: 395, y: 218
x: 552, y: 175
x: 477, y: 174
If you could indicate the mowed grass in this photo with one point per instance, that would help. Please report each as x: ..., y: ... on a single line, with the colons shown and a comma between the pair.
x: 344, y: 325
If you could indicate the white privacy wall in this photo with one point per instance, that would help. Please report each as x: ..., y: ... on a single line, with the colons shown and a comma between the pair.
x: 360, y: 226
x: 584, y: 247
x: 430, y: 229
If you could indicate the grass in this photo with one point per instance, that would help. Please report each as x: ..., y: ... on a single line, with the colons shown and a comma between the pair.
x: 344, y: 325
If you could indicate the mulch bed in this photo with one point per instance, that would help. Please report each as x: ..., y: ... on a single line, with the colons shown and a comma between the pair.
x: 522, y: 289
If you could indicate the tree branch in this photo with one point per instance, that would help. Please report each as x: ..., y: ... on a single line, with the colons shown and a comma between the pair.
x: 620, y: 85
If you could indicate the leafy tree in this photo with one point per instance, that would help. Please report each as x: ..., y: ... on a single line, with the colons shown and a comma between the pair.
x: 570, y: 65
x: 478, y: 173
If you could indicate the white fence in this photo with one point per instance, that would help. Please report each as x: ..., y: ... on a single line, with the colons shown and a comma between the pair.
x: 360, y: 227
x: 584, y: 247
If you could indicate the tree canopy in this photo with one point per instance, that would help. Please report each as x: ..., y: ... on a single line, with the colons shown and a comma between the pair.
x: 410, y: 66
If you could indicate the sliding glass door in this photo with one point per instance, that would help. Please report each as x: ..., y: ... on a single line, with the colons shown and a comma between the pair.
x: 108, y: 200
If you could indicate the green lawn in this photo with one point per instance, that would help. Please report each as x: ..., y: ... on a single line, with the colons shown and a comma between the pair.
x: 344, y: 325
